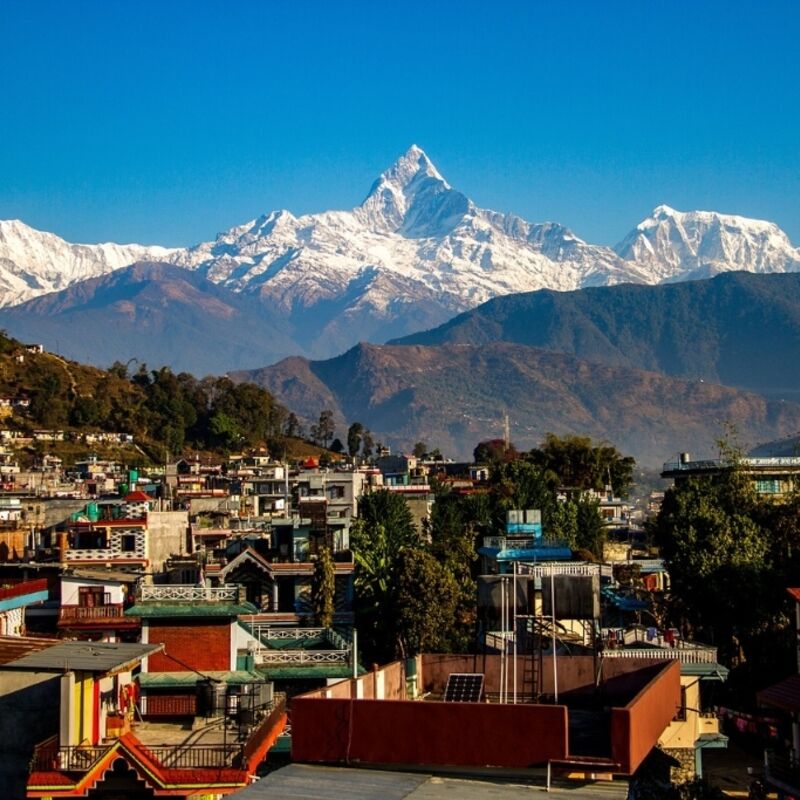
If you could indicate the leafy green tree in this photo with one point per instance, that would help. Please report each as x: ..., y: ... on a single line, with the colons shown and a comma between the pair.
x: 577, y: 461
x: 323, y: 588
x: 718, y: 557
x: 337, y: 446
x: 427, y: 599
x: 378, y: 537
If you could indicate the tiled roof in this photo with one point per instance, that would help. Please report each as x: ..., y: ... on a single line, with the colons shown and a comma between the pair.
x: 14, y: 647
x: 785, y: 695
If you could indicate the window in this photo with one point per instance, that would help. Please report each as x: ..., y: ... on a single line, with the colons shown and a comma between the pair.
x: 680, y: 715
x: 128, y: 543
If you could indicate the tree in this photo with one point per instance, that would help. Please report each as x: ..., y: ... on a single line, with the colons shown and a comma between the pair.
x: 420, y: 449
x: 709, y: 534
x: 292, y: 427
x: 494, y: 451
x: 323, y: 431
x: 337, y: 446
x: 378, y: 537
x: 354, y: 434
x: 578, y: 462
x: 367, y: 445
x: 323, y: 588
x: 426, y: 599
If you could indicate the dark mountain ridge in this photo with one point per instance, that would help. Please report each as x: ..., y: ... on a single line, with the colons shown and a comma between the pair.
x: 738, y: 329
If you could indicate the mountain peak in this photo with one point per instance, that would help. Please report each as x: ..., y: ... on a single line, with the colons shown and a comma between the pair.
x: 410, y: 189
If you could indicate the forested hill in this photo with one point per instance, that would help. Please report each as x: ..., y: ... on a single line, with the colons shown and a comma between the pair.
x: 738, y: 329
x: 161, y: 409
x: 457, y: 395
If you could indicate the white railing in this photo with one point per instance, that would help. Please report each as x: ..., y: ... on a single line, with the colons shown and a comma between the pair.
x: 167, y: 592
x: 697, y: 654
x: 778, y: 461
x: 265, y: 631
x: 266, y: 656
x: 565, y: 568
x: 651, y: 564
x: 101, y: 554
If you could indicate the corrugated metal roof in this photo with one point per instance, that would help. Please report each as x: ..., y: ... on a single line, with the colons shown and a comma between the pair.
x: 307, y: 782
x: 163, y: 680
x: 785, y: 695
x: 15, y: 647
x: 190, y: 610
x: 85, y: 656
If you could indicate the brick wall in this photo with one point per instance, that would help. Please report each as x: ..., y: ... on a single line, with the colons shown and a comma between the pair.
x: 196, y: 644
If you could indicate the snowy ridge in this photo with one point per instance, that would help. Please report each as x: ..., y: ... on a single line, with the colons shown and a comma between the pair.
x: 33, y: 263
x: 674, y: 245
x: 415, y: 252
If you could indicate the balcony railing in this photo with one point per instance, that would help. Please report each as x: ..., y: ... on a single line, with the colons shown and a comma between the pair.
x: 265, y: 656
x: 72, y: 614
x: 782, y: 772
x: 170, y: 592
x: 696, y: 654
x: 82, y: 758
x: 78, y: 758
x: 196, y: 756
x: 565, y: 568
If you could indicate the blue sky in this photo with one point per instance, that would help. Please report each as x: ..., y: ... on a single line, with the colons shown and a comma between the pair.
x: 165, y: 122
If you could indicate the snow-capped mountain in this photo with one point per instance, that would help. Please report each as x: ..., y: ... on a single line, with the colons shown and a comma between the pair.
x: 413, y: 254
x: 34, y: 263
x: 673, y: 245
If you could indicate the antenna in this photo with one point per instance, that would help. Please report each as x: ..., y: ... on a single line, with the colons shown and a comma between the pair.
x: 506, y: 431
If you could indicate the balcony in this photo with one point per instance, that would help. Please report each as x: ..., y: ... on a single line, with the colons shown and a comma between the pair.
x: 88, y: 616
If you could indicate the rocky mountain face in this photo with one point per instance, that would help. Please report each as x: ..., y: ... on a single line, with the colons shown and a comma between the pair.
x: 454, y: 395
x: 413, y: 254
x: 737, y: 329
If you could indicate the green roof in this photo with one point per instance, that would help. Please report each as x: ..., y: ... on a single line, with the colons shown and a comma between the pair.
x: 310, y: 672
x: 708, y: 670
x: 164, y: 680
x: 146, y: 610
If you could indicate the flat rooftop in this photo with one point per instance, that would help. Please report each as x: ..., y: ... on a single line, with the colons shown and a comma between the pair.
x: 307, y: 782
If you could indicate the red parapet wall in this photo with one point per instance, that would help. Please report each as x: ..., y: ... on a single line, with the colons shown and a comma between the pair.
x: 636, y: 728
x: 408, y: 732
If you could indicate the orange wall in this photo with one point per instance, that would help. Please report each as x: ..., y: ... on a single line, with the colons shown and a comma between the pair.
x: 408, y: 732
x: 636, y: 728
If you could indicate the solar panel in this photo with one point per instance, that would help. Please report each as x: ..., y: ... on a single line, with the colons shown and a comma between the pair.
x: 464, y: 687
